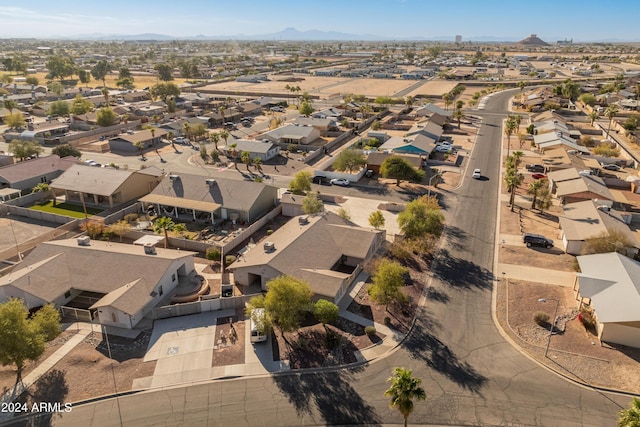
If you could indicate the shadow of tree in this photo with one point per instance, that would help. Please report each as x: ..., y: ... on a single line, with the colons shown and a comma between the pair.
x: 50, y: 389
x: 461, y: 273
x: 456, y: 238
x: 435, y: 295
x: 423, y: 345
x: 332, y: 395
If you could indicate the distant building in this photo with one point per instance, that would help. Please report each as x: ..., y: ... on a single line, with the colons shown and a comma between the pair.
x: 458, y: 39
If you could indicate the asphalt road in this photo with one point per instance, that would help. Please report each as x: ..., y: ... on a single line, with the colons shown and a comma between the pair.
x: 472, y: 376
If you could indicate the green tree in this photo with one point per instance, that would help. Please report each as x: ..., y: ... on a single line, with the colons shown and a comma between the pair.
x: 593, y: 116
x: 606, y: 149
x: 120, y: 228
x: 286, y: 301
x: 24, y: 149
x: 100, y: 71
x: 305, y: 108
x: 125, y: 78
x: 610, y: 113
x: 224, y: 135
x: 376, y: 219
x: 59, y: 108
x: 66, y: 150
x: 245, y: 157
x: 513, y: 180
x: 421, y: 217
x: 349, y: 160
x: 588, y: 99
x: 84, y: 76
x: 43, y: 187
x: 376, y: 125
x: 80, y: 105
x: 447, y: 98
x: 630, y: 417
x: 215, y: 138
x: 510, y: 127
x: 387, y: 283
x: 165, y: 72
x: 311, y: 204
x: 301, y: 183
x: 164, y: 91
x: 397, y: 168
x: 458, y: 115
x: 607, y: 241
x: 55, y: 87
x: 404, y: 389
x: 164, y: 225
x: 325, y: 312
x: 517, y: 156
x: 257, y: 161
x: 15, y: 120
x: 571, y: 89
x: 60, y: 67
x: 10, y: 104
x: 23, y: 338
x: 106, y: 117
x: 534, y: 188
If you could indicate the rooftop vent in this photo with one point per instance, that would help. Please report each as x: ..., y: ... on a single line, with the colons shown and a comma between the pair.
x: 174, y: 177
x: 303, y: 220
x: 149, y: 249
x: 84, y: 241
x: 269, y: 247
x: 210, y: 181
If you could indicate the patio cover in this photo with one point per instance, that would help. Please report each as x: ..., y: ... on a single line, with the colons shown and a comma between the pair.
x: 198, y: 205
x: 149, y: 239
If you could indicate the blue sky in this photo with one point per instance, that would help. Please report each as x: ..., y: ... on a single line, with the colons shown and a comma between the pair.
x: 550, y: 20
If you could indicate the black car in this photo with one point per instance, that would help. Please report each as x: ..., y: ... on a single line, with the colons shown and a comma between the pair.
x: 321, y: 180
x: 537, y: 240
x: 535, y: 168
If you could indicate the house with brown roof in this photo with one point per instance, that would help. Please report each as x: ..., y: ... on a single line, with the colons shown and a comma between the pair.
x: 292, y: 134
x: 128, y: 141
x: 104, y: 187
x: 213, y: 200
x: 26, y: 175
x: 325, y: 250
x: 583, y: 188
x: 118, y: 290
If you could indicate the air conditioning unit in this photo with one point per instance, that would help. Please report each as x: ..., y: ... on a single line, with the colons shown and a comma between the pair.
x: 210, y: 181
x: 149, y: 249
x: 174, y: 177
x: 84, y: 241
x: 303, y: 220
x: 269, y: 246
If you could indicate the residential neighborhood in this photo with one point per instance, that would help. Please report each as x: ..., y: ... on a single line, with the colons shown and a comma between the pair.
x: 180, y: 212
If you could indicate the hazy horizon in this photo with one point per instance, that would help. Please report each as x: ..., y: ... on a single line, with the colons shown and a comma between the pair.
x: 386, y: 19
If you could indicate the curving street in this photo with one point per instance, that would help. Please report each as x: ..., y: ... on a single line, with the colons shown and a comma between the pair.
x: 471, y: 374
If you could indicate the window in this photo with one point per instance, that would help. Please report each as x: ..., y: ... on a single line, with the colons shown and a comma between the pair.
x: 173, y: 277
x: 160, y: 290
x: 114, y: 319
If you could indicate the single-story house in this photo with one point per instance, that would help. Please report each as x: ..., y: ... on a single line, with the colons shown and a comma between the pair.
x: 426, y: 128
x: 147, y: 110
x: 105, y: 187
x: 323, y: 125
x: 328, y: 113
x: 375, y: 160
x: 265, y: 150
x: 325, y: 250
x: 118, y: 290
x: 583, y: 188
x: 211, y: 199
x: 610, y: 283
x: 561, y: 175
x: 557, y: 126
x: 26, y: 175
x: 136, y: 96
x: 292, y: 134
x: 411, y: 144
x: 553, y: 139
x: 127, y: 141
x: 585, y: 220
x: 429, y: 109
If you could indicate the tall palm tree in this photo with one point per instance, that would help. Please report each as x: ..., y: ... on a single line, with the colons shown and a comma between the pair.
x: 164, y: 224
x: 630, y: 417
x: 404, y: 389
x: 245, y: 157
x: 221, y: 110
x: 534, y: 188
x: 257, y: 161
x: 187, y: 128
x: 510, y: 127
x: 458, y: 114
x: 224, y: 135
x: 408, y: 101
x: 610, y: 113
x: 215, y: 138
x: 593, y: 116
x: 447, y: 98
x: 513, y: 179
x: 105, y: 93
x: 234, y: 154
x: 170, y: 138
x: 517, y: 155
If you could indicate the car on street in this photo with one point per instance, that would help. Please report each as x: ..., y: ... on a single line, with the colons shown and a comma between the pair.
x: 531, y: 239
x: 342, y: 182
x: 538, y: 176
x: 611, y: 167
x: 181, y: 140
x: 476, y: 174
x: 535, y: 168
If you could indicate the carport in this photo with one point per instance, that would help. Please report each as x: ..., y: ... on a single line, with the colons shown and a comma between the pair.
x: 176, y: 203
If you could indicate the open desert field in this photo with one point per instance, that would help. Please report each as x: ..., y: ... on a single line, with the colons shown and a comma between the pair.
x: 434, y: 88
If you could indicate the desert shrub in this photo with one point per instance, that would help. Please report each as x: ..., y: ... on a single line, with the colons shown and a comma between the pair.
x: 387, y: 320
x: 576, y: 265
x: 229, y: 259
x: 213, y: 254
x: 269, y: 232
x: 399, y: 252
x: 370, y: 330
x: 132, y: 217
x: 541, y: 318
x: 587, y: 319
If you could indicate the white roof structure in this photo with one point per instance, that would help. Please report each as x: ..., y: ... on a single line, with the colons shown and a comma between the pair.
x: 612, y: 281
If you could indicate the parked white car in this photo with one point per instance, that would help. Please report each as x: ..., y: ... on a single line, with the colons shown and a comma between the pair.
x: 476, y: 174
x: 340, y: 181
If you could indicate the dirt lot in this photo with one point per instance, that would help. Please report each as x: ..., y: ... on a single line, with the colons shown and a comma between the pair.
x: 230, y: 349
x: 553, y: 259
x: 434, y: 88
x: 573, y: 351
x: 532, y: 221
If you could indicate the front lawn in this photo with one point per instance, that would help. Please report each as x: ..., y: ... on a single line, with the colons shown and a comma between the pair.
x: 67, y: 209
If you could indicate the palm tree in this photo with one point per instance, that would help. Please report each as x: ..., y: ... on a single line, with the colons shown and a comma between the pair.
x: 215, y: 138
x: 170, y: 138
x: 224, y: 135
x: 517, y: 155
x: 257, y: 161
x: 404, y: 388
x: 221, y: 110
x: 187, y: 128
x: 593, y: 116
x: 630, y: 417
x: 610, y: 113
x: 245, y: 157
x: 513, y: 179
x: 408, y: 101
x: 510, y: 128
x: 458, y: 115
x: 234, y: 154
x: 164, y: 224
x: 534, y: 188
x: 140, y: 146
x: 521, y: 85
x: 105, y: 93
x: 447, y: 98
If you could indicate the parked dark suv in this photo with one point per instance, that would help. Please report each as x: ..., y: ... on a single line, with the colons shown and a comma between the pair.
x: 535, y: 168
x: 537, y: 240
